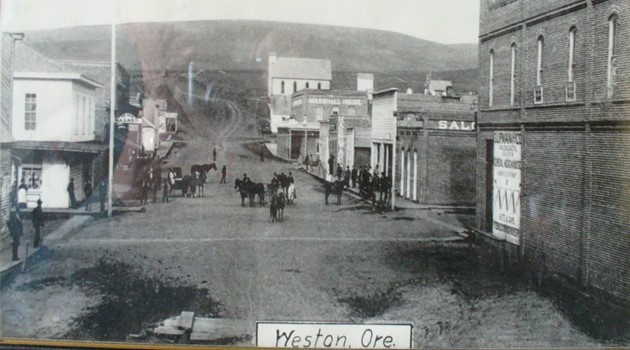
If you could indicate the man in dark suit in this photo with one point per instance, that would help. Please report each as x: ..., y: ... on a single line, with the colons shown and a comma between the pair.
x: 37, y: 216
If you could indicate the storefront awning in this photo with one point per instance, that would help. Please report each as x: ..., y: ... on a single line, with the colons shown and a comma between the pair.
x: 80, y: 147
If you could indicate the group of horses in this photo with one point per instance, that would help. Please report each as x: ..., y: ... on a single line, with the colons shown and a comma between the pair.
x: 192, y: 185
x: 279, y: 195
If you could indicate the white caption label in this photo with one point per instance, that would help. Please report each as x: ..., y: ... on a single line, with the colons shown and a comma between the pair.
x: 333, y: 335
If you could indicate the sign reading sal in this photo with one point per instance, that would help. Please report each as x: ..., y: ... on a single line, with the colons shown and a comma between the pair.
x: 333, y: 335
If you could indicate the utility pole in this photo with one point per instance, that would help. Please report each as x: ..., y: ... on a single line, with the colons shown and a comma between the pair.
x: 112, y: 111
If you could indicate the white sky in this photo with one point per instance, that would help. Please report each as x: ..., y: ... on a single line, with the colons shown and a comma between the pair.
x: 445, y: 21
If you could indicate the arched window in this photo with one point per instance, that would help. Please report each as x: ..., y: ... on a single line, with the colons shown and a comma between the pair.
x: 491, y: 79
x: 319, y: 86
x: 539, y: 61
x: 282, y: 87
x: 571, y: 67
x: 294, y: 86
x: 513, y: 74
x: 612, y: 54
x: 307, y: 85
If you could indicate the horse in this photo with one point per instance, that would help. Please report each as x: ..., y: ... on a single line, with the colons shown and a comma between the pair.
x: 188, y: 186
x: 256, y: 189
x: 277, y: 206
x: 335, y: 188
x: 250, y: 190
x: 241, y: 187
x: 291, y: 194
x: 273, y: 209
x: 203, y: 167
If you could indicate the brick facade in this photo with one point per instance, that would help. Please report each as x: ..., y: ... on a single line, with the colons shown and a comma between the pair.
x: 6, y: 101
x: 574, y: 153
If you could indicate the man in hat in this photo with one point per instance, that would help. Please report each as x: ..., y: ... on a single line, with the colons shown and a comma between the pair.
x: 37, y: 216
x: 88, y: 190
x: 70, y: 189
x: 223, y: 175
x: 102, y: 193
x: 16, y: 229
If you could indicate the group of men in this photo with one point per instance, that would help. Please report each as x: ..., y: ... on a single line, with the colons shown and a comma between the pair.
x: 367, y: 182
x: 16, y: 228
x: 281, y: 181
x: 88, y: 191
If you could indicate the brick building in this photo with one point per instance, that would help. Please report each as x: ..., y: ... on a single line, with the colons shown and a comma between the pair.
x: 436, y: 150
x: 553, y: 145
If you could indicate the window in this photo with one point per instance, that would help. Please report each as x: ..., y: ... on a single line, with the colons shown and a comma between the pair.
x: 570, y: 88
x: 319, y: 112
x: 319, y: 86
x: 294, y: 86
x: 32, y: 170
x: 538, y: 89
x: 85, y: 118
x: 282, y: 87
x: 612, y: 55
x: 30, y: 112
x: 307, y: 86
x: 513, y: 75
x: 491, y: 80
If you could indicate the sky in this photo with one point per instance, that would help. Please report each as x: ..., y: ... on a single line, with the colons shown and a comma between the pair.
x: 444, y: 21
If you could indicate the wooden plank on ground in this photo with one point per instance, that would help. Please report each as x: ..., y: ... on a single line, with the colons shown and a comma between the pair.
x: 186, y: 320
x: 206, y: 329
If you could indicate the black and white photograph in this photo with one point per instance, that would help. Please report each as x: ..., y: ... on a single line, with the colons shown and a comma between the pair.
x: 338, y: 174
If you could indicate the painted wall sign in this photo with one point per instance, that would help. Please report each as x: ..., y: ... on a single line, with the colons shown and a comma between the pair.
x: 335, y: 101
x: 506, y: 197
x: 456, y: 125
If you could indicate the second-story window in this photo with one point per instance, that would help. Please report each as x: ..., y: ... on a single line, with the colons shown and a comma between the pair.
x: 282, y: 87
x: 513, y: 75
x: 612, y: 55
x: 491, y: 79
x: 30, y: 112
x: 571, y: 68
x: 319, y: 112
x: 306, y: 86
x: 538, y: 89
x: 294, y: 86
x: 352, y: 110
x: 319, y: 86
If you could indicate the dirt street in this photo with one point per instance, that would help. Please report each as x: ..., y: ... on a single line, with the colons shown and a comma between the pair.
x: 209, y: 255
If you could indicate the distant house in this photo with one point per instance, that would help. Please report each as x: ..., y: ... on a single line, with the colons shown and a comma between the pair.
x: 287, y: 75
x: 439, y: 88
x: 53, y: 124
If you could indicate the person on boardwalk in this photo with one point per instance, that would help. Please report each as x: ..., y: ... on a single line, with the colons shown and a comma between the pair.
x: 16, y: 229
x: 37, y: 217
x: 331, y: 165
x: 102, y: 193
x: 262, y: 154
x: 87, y: 190
x: 166, y: 188
x: 223, y: 174
x: 70, y: 189
x: 353, y: 176
x: 214, y: 154
x: 21, y: 195
x: 307, y: 161
x: 155, y: 187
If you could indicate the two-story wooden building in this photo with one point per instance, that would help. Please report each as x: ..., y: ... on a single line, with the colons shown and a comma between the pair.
x: 53, y: 124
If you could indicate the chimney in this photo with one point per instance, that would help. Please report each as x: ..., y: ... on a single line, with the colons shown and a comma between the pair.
x: 272, y: 58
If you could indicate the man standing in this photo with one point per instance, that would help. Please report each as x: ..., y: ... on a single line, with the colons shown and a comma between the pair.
x: 37, y: 216
x: 353, y: 176
x: 21, y: 195
x: 87, y: 189
x: 383, y: 187
x: 15, y: 227
x: 214, y: 154
x: 165, y: 190
x: 70, y: 189
x: 102, y: 193
x: 223, y: 174
x: 331, y: 165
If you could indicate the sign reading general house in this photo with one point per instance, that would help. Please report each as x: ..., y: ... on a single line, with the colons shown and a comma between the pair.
x: 506, y: 196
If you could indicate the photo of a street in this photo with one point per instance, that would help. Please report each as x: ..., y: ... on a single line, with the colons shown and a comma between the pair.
x: 188, y: 181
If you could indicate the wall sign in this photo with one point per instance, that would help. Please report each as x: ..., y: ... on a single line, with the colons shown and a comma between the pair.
x: 506, y: 196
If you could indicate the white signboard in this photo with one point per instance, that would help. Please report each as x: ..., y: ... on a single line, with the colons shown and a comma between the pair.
x: 333, y: 335
x: 335, y: 101
x: 341, y: 132
x: 506, y: 197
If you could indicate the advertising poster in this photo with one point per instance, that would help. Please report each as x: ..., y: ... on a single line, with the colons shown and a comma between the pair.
x: 507, y: 186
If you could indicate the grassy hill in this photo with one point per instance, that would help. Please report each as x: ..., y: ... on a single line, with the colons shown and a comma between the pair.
x: 245, y: 45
